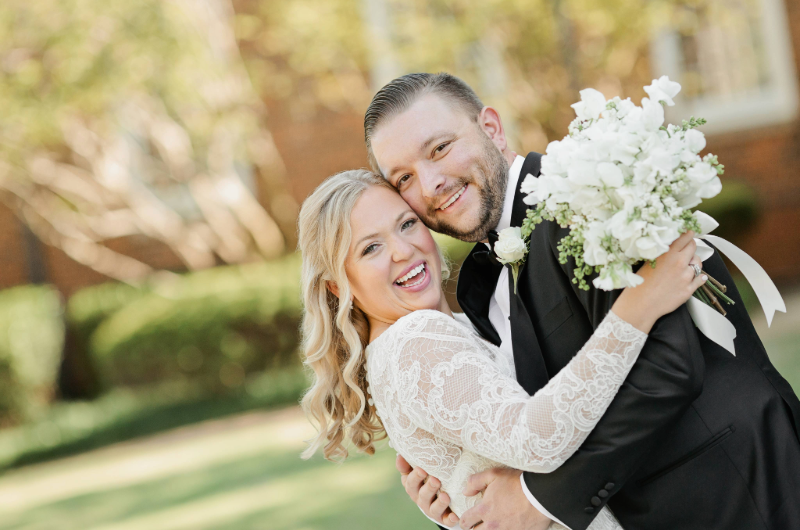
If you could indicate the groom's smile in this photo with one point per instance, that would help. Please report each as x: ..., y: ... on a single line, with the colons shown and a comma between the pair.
x: 447, y: 165
x: 452, y: 200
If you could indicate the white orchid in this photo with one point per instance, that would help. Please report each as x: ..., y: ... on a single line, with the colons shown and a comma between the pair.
x: 617, y: 276
x: 701, y: 173
x: 652, y: 115
x: 695, y: 140
x: 662, y: 89
x: 623, y: 182
x: 590, y: 106
x: 594, y: 249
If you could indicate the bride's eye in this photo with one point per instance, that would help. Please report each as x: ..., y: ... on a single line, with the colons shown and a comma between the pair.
x: 369, y: 249
x: 408, y: 224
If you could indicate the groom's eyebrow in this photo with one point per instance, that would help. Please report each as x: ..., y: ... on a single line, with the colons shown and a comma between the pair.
x: 435, y: 136
x: 422, y: 148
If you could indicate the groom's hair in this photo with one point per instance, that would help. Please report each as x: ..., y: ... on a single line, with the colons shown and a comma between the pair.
x: 399, y: 94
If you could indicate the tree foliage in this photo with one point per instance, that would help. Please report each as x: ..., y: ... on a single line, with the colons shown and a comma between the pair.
x: 134, y: 118
x: 527, y: 57
x: 144, y: 117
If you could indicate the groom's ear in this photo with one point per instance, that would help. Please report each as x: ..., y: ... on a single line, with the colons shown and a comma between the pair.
x: 332, y: 287
x: 489, y: 121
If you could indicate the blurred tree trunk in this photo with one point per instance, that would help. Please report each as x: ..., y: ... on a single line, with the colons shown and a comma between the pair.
x: 77, y: 377
x: 34, y: 259
x: 379, y: 33
x: 136, y: 119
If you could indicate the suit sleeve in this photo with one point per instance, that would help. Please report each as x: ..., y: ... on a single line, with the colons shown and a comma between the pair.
x: 667, y: 378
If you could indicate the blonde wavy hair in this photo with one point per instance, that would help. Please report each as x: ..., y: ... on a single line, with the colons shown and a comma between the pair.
x: 335, y: 331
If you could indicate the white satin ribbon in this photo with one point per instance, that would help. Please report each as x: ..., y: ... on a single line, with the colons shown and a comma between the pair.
x: 710, y: 322
x: 765, y: 290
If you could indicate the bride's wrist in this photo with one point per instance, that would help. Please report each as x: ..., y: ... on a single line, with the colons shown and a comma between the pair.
x: 635, y: 311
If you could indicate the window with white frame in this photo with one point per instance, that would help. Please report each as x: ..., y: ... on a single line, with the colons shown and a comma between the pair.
x: 735, y: 62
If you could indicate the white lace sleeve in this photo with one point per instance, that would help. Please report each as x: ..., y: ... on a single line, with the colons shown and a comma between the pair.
x: 455, y: 392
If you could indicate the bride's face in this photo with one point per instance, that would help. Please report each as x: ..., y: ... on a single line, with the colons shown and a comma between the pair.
x: 393, y: 265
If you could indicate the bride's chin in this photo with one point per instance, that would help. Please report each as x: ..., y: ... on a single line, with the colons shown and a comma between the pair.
x: 428, y: 298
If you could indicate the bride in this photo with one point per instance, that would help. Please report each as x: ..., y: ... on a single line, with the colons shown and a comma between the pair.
x: 389, y: 355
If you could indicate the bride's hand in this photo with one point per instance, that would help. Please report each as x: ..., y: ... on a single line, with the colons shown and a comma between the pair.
x: 666, y: 287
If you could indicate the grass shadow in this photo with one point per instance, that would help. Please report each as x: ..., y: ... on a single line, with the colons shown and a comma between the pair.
x: 146, y: 415
x: 275, y: 490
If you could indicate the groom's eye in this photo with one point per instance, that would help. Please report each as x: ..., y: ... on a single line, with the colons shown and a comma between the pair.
x: 440, y: 147
x: 402, y: 180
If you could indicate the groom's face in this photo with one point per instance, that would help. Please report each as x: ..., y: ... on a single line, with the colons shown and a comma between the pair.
x: 446, y: 165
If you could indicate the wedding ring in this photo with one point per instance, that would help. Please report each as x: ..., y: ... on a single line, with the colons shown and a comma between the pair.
x: 697, y: 269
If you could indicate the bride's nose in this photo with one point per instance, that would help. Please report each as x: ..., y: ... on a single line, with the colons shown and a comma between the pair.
x: 402, y: 250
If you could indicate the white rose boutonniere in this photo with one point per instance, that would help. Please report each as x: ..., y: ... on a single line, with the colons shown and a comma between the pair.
x: 511, y: 249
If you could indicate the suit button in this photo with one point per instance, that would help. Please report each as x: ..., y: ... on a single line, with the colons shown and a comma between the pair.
x: 596, y: 501
x: 602, y: 494
x: 609, y: 486
x: 588, y: 509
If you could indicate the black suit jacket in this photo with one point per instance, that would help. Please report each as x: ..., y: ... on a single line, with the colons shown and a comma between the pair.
x: 695, y: 439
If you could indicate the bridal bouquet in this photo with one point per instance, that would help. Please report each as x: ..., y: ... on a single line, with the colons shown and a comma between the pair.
x: 625, y: 183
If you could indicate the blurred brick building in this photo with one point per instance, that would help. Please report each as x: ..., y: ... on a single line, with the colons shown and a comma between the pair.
x: 311, y: 149
x: 754, y: 128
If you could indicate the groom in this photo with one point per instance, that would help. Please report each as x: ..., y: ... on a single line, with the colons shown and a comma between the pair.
x: 695, y: 439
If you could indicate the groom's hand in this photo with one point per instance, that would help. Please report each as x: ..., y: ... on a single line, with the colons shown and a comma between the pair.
x: 504, y: 505
x: 425, y: 493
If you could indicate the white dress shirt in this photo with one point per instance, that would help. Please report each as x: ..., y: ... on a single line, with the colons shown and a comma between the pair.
x: 500, y: 310
x: 500, y: 304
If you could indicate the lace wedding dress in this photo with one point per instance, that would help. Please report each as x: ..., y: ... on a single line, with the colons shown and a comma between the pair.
x: 450, y: 402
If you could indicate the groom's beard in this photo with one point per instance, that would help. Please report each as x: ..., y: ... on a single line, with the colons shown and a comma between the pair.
x: 492, y: 178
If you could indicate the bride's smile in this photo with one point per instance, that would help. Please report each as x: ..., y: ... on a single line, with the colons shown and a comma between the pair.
x: 416, y: 279
x: 393, y: 264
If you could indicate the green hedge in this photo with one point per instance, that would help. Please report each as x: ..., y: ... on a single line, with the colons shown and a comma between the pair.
x: 86, y: 310
x: 736, y: 209
x: 122, y: 414
x: 31, y: 339
x: 214, y: 327
x: 88, y: 307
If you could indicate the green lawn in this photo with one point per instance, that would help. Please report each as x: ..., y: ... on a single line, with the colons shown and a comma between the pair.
x: 229, y: 474
x: 784, y: 352
x: 240, y: 473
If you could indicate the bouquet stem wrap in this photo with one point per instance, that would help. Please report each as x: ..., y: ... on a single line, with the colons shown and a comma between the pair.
x: 710, y: 322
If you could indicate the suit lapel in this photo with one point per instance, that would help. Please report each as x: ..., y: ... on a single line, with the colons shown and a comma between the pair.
x: 528, y: 359
x: 476, y: 285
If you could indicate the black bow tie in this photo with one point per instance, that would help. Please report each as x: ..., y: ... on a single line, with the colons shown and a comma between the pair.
x: 488, y: 257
